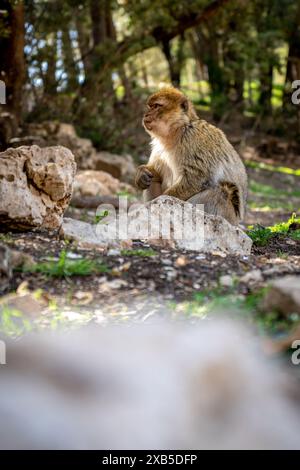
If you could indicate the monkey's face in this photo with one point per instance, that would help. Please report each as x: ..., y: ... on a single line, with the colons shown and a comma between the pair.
x: 167, y: 111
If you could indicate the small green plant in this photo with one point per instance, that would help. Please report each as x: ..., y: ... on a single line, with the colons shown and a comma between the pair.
x: 64, y: 267
x: 139, y: 252
x: 100, y: 216
x: 262, y: 235
x: 295, y: 235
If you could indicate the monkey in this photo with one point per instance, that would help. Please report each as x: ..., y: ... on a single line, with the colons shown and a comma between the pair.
x: 191, y: 159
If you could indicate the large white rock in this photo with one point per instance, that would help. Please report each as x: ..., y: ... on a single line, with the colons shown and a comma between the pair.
x: 166, y: 221
x: 35, y: 186
x: 187, y: 227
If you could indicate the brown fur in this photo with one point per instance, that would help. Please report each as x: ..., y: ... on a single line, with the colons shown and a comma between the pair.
x: 191, y: 159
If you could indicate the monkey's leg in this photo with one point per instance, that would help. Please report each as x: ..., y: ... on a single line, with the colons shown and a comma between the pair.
x: 217, y: 202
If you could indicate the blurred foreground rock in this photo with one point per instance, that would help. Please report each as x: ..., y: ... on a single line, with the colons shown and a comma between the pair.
x: 163, y: 386
x: 35, y: 186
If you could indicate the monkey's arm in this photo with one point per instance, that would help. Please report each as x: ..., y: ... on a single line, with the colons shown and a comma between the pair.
x: 184, y: 189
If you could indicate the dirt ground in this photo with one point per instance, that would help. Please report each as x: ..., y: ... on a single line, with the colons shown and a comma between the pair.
x: 137, y: 287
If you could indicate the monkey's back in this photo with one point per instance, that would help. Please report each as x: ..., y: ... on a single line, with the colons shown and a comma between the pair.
x: 213, y: 153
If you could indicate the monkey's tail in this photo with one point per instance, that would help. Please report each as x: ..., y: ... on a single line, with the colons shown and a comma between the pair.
x: 231, y: 191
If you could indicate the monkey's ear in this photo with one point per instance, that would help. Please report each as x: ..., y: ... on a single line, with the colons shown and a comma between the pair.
x: 185, y: 104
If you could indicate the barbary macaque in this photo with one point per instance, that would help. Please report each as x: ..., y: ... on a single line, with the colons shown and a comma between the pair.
x: 191, y: 159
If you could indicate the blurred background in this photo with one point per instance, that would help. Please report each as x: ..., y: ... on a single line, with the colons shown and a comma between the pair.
x: 92, y: 63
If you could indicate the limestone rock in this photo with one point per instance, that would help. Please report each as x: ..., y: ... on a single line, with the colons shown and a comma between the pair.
x: 284, y: 295
x: 189, y: 229
x: 35, y: 186
x: 50, y: 133
x: 99, y: 183
x: 87, y: 235
x: 119, y: 166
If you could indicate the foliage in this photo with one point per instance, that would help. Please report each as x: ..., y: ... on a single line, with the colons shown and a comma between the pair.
x: 12, y: 322
x: 262, y: 235
x: 139, y: 252
x: 66, y: 267
x: 93, y: 63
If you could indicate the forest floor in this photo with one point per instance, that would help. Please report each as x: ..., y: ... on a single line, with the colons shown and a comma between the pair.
x: 143, y: 282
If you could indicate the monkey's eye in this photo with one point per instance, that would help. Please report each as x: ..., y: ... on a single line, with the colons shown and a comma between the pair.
x: 157, y: 105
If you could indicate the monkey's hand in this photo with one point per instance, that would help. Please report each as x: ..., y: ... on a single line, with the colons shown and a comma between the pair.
x: 144, y: 176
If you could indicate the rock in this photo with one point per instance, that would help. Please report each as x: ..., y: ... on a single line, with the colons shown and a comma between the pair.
x: 162, y: 220
x: 202, y: 385
x: 201, y: 232
x: 11, y: 259
x: 284, y: 295
x: 119, y: 166
x: 226, y: 280
x: 99, y: 183
x: 35, y: 186
x: 50, y: 133
x: 252, y: 277
x: 86, y: 234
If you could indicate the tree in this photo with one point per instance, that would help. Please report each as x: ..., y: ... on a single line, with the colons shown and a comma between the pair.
x: 12, y: 66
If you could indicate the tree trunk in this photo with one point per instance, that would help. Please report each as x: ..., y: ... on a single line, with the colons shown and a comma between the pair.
x: 266, y: 85
x: 12, y: 66
x: 50, y: 83
x: 175, y: 62
x: 69, y: 63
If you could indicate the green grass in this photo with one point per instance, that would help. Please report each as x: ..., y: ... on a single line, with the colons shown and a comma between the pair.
x: 272, y: 168
x: 249, y: 308
x: 66, y: 267
x: 276, y: 203
x: 267, y: 190
x: 139, y: 252
x: 262, y: 235
x: 223, y: 300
